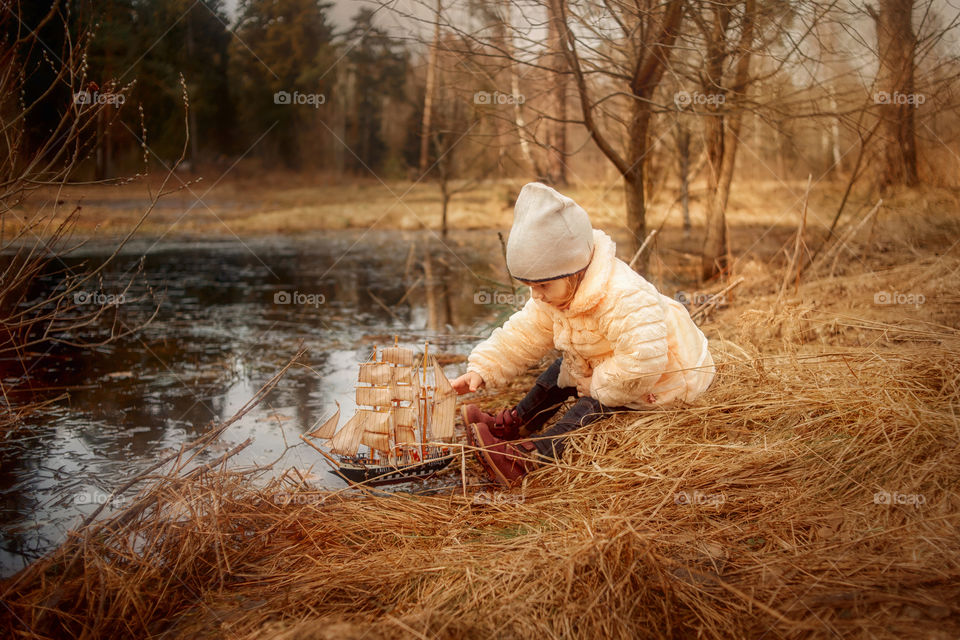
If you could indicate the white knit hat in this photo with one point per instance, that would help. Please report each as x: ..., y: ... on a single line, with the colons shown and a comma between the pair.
x: 551, y: 236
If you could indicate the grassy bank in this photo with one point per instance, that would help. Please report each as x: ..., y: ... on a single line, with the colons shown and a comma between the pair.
x: 811, y: 492
x: 281, y: 203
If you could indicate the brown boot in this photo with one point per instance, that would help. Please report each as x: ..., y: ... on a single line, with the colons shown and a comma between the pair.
x: 504, y: 425
x: 506, y: 461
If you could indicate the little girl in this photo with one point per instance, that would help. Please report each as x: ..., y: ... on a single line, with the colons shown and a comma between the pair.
x: 624, y: 345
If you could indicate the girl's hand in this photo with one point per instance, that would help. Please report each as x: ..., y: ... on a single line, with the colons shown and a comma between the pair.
x: 583, y: 387
x: 467, y: 383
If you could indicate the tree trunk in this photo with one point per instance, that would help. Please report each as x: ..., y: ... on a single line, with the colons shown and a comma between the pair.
x: 714, y: 255
x: 827, y: 42
x: 683, y: 153
x: 557, y: 127
x: 194, y: 138
x: 445, y: 196
x: 340, y: 121
x: 636, y: 216
x: 836, y: 158
x: 730, y: 146
x: 430, y: 288
x: 738, y: 92
x: 718, y: 237
x: 519, y: 121
x: 100, y: 170
x: 633, y: 179
x: 192, y: 113
x: 896, y: 45
x: 647, y: 74
x: 428, y: 95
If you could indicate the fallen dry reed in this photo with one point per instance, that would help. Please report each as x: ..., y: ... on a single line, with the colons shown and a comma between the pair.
x: 812, y: 492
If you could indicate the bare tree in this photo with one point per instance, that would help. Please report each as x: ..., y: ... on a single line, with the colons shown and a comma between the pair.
x: 648, y: 31
x: 789, y: 74
x: 428, y: 96
x: 525, y: 139
x: 35, y: 243
x: 896, y: 44
x: 722, y: 125
x: 557, y: 126
x: 682, y: 138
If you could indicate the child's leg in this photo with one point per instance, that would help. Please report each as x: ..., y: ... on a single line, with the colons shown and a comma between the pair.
x: 585, y: 411
x: 544, y: 399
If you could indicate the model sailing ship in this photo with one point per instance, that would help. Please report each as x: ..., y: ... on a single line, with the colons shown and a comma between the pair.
x: 400, y: 419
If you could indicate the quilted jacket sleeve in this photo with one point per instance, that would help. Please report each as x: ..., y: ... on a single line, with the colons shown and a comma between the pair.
x: 522, y: 340
x: 634, y: 322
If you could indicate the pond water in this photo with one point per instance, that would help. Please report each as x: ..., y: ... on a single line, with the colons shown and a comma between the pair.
x: 223, y: 328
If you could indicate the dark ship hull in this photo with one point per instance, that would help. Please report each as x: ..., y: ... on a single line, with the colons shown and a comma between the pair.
x: 375, y: 475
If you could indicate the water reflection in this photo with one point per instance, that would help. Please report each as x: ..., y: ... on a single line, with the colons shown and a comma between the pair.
x: 218, y: 336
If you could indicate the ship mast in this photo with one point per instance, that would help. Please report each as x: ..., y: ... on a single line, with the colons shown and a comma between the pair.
x: 373, y: 451
x: 395, y: 449
x: 423, y: 422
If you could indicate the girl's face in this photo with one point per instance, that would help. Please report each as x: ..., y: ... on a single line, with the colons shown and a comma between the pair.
x: 557, y: 292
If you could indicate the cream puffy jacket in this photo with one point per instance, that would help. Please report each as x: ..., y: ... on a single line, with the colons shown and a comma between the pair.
x: 625, y: 341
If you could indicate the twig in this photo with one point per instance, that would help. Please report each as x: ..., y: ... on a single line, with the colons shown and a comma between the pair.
x: 853, y: 178
x: 203, y: 441
x: 381, y: 303
x: 407, y: 292
x: 715, y: 298
x: 849, y: 233
x: 643, y: 246
x: 130, y: 512
x: 463, y: 469
x: 796, y: 246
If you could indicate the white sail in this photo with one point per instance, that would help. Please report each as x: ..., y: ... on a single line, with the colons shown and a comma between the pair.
x: 378, y: 441
x: 347, y: 440
x: 406, y: 416
x: 398, y: 355
x: 444, y: 403
x: 400, y: 385
x: 384, y: 396
x: 375, y: 373
x: 374, y: 396
x: 405, y: 393
x: 376, y: 430
x: 395, y: 388
x: 403, y: 375
x: 405, y: 419
x: 376, y: 421
x: 406, y: 435
x: 328, y: 428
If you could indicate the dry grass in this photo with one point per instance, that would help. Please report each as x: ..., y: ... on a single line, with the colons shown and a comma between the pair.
x: 282, y: 203
x: 758, y: 512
